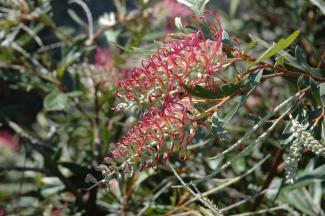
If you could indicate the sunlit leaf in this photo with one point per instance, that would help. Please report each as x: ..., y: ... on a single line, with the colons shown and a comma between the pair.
x: 276, y: 47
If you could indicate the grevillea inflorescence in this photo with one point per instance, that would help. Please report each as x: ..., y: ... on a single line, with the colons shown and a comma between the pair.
x: 161, y: 86
x: 157, y: 135
x: 192, y: 60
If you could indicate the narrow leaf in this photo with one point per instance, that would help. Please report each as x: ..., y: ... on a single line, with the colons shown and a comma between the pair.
x: 280, y: 45
x: 250, y: 46
x: 276, y: 47
x: 220, y: 92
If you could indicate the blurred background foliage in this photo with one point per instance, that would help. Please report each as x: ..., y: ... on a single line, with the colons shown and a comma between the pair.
x: 60, y: 62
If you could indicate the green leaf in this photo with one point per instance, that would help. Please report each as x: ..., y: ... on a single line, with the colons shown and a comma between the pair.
x: 233, y: 7
x: 218, y: 128
x: 291, y: 60
x: 279, y: 61
x: 55, y: 101
x: 298, y: 61
x: 322, y: 89
x: 75, y: 17
x: 254, y: 80
x: 221, y: 91
x: 298, y: 55
x: 74, y: 94
x: 250, y: 46
x: 137, y: 51
x: 315, y: 93
x: 276, y: 47
x: 71, y: 57
x: 301, y: 82
x: 197, y: 6
x: 239, y: 101
x: 322, y: 92
x: 259, y: 40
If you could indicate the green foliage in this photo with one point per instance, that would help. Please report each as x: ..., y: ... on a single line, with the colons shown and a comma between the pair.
x: 197, y: 6
x: 58, y: 126
x: 55, y: 101
x: 277, y: 47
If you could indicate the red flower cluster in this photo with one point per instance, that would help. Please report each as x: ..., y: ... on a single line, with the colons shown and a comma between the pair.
x: 190, y: 61
x: 161, y: 83
x: 156, y: 136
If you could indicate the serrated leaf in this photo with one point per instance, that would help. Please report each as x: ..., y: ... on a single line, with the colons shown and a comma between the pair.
x: 276, y: 47
x: 254, y: 80
x: 55, y: 101
x: 240, y: 101
x: 218, y: 128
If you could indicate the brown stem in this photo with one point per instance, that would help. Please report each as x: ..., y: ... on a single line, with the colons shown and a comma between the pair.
x: 276, y: 68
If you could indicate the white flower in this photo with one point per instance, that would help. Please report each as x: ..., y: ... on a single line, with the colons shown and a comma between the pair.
x: 107, y: 19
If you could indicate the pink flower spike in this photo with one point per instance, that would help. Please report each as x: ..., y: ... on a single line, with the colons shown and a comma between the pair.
x: 152, y: 140
x: 9, y: 140
x: 104, y: 58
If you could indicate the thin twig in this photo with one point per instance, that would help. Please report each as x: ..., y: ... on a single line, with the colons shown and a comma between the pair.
x: 260, y: 123
x: 257, y: 141
x: 275, y: 68
x: 281, y: 207
x: 234, y: 205
x: 89, y: 18
x: 198, y: 197
x: 33, y: 34
x: 153, y: 198
x: 226, y: 184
